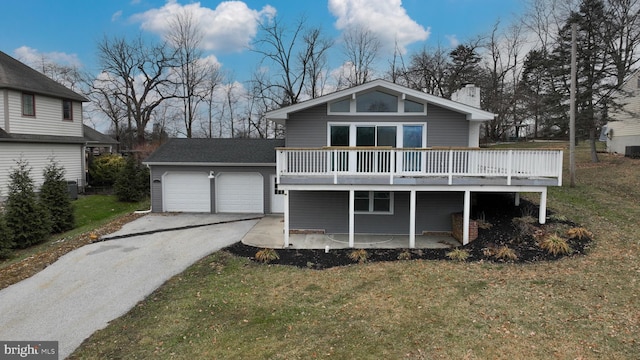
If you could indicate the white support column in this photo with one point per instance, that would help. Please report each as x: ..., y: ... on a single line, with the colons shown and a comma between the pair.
x: 286, y: 218
x: 543, y: 207
x: 412, y: 220
x: 352, y: 207
x: 517, y: 196
x: 465, y: 216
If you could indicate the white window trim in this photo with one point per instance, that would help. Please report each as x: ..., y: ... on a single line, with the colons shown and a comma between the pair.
x: 371, y: 211
x: 399, y: 133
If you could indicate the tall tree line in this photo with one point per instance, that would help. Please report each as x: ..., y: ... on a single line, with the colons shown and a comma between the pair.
x: 522, y: 68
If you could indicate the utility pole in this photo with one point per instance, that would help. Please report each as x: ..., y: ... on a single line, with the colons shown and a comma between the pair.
x: 572, y: 111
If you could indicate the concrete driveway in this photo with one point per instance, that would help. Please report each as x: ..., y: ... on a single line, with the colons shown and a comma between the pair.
x: 90, y: 286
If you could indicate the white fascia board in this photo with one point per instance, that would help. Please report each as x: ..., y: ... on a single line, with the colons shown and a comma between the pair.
x: 425, y: 188
x: 473, y: 114
x: 156, y: 163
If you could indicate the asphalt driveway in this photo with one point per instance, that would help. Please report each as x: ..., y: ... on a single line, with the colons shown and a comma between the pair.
x: 90, y: 286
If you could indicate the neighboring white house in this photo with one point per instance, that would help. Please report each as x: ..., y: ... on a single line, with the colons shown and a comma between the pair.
x: 40, y: 120
x: 623, y: 129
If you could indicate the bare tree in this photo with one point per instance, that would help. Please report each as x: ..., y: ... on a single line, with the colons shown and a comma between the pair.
x: 191, y: 71
x: 502, y: 69
x: 138, y: 74
x: 295, y: 59
x: 361, y: 47
x: 429, y: 71
x: 315, y: 59
x: 624, y: 27
x: 104, y: 99
x: 213, y: 81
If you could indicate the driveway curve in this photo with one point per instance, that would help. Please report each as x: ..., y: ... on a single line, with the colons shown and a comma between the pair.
x: 87, y: 288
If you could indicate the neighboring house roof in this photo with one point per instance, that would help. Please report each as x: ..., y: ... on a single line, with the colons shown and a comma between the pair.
x: 91, y: 137
x: 242, y: 152
x: 32, y: 138
x: 94, y: 137
x: 18, y: 76
x: 472, y: 113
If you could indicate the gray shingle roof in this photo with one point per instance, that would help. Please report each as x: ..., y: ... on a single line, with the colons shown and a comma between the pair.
x: 94, y: 137
x: 18, y: 76
x: 235, y: 151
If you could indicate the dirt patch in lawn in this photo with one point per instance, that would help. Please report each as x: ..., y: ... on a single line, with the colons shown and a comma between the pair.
x: 507, y: 233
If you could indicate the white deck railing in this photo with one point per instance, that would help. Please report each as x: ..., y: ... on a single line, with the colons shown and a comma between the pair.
x: 393, y: 162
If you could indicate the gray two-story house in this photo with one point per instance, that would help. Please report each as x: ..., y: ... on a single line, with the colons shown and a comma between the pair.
x: 378, y: 158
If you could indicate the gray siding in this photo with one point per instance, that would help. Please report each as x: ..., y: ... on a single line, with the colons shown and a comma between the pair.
x: 308, y: 128
x: 156, y: 181
x: 329, y: 211
x: 446, y: 128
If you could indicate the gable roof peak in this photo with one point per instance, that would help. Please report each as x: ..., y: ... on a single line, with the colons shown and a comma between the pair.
x: 18, y: 76
x: 472, y: 113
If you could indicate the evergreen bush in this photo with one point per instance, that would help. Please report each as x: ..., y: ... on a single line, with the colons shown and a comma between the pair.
x: 132, y: 183
x: 6, y: 238
x: 54, y: 197
x: 104, y: 169
x: 26, y: 219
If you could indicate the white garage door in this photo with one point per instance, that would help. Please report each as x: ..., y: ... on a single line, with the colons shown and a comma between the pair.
x: 239, y: 193
x: 186, y: 192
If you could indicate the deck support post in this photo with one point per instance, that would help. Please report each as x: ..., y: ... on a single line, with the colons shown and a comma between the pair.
x: 465, y: 216
x: 542, y: 217
x: 412, y: 220
x: 517, y: 199
x: 286, y: 218
x: 352, y: 198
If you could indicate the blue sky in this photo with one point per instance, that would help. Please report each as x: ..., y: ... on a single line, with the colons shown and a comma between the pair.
x: 66, y: 31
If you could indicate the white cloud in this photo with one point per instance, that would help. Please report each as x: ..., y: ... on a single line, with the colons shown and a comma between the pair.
x: 453, y: 40
x: 230, y: 27
x: 116, y: 15
x: 35, y: 58
x: 387, y: 19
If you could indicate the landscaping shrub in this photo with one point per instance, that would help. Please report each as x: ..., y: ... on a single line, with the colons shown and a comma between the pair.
x: 267, y: 255
x: 6, y: 238
x: 104, y: 169
x: 132, y: 182
x: 54, y: 197
x: 26, y: 219
x: 458, y: 254
x: 359, y: 255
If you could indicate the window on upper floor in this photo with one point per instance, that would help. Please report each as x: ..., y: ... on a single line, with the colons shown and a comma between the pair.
x: 67, y: 110
x: 413, y: 107
x: 28, y: 104
x: 403, y: 135
x: 377, y: 102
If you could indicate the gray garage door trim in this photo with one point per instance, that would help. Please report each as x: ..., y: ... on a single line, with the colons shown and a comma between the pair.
x: 241, y: 192
x: 186, y: 191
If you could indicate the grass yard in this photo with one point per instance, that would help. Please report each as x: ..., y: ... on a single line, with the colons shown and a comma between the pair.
x: 588, y: 307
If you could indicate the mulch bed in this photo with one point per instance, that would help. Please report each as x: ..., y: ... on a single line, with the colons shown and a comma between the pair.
x: 499, y: 211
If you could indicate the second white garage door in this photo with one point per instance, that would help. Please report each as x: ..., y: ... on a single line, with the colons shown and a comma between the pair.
x: 239, y: 193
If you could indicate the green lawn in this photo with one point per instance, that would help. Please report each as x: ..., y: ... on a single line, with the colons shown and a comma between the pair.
x: 98, y: 209
x: 585, y: 307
